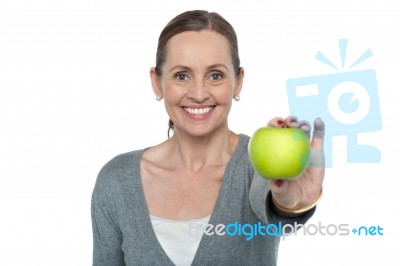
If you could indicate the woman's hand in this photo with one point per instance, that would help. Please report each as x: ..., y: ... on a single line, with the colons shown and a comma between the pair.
x: 305, y: 190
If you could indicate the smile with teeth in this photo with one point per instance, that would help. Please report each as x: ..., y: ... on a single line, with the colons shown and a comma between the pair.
x: 198, y: 111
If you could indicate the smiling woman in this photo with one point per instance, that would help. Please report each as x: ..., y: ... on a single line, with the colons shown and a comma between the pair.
x: 146, y: 201
x: 195, y: 22
x: 198, y: 90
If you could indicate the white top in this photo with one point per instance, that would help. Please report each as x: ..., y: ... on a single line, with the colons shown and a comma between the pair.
x: 179, y: 239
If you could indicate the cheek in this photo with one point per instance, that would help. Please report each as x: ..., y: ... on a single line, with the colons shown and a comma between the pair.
x: 171, y: 91
x: 172, y: 94
x: 223, y: 95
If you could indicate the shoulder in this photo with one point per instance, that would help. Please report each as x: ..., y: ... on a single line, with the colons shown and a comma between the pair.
x: 119, y: 170
x: 244, y: 138
x: 240, y: 160
x: 119, y: 163
x: 242, y: 148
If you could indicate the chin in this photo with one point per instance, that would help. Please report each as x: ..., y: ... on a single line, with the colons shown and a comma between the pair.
x: 200, y: 131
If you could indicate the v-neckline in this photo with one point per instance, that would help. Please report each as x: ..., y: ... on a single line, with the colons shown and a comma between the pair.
x: 152, y: 237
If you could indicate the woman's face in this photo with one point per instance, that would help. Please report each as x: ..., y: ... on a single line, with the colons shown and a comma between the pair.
x: 198, y: 81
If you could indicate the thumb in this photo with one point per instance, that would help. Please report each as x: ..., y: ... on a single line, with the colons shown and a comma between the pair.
x: 317, y: 142
x: 317, y: 145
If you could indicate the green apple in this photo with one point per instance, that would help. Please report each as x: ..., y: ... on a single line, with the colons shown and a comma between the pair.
x: 279, y: 153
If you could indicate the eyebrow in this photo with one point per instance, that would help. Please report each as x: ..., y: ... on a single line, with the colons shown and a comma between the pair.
x: 186, y: 68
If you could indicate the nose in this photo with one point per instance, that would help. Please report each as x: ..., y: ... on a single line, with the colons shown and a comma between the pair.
x: 198, y: 92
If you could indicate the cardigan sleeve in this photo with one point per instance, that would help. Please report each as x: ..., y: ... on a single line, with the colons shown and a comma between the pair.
x: 107, y: 238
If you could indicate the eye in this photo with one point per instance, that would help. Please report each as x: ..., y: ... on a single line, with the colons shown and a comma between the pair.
x: 215, y: 76
x: 181, y: 76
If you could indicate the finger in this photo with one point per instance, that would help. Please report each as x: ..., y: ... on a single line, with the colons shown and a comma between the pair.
x: 276, y: 122
x: 317, y: 159
x: 306, y: 127
x: 292, y: 121
x: 317, y: 141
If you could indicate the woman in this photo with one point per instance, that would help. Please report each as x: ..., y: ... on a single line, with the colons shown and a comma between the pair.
x: 146, y: 203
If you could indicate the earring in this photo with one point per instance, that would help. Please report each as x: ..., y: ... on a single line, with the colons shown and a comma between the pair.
x: 158, y: 98
x: 236, y: 97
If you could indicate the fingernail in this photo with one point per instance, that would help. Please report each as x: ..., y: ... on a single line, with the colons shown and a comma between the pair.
x: 305, y: 128
x: 280, y: 122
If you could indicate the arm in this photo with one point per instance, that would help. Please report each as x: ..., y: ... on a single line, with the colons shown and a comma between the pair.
x: 107, y: 239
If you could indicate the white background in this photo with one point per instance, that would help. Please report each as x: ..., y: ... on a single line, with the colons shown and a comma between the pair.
x: 75, y: 91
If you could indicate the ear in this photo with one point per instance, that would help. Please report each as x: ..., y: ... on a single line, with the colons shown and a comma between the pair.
x: 156, y: 83
x: 239, y: 82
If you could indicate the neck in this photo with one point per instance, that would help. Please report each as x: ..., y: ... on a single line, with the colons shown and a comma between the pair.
x: 195, y: 153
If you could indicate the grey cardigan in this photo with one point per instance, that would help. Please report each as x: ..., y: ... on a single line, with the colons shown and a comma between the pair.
x: 123, y: 233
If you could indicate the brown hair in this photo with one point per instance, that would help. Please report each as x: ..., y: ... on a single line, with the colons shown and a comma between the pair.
x: 196, y: 20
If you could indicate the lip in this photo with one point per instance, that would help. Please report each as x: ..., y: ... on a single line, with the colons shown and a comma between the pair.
x: 198, y: 115
x: 198, y: 106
